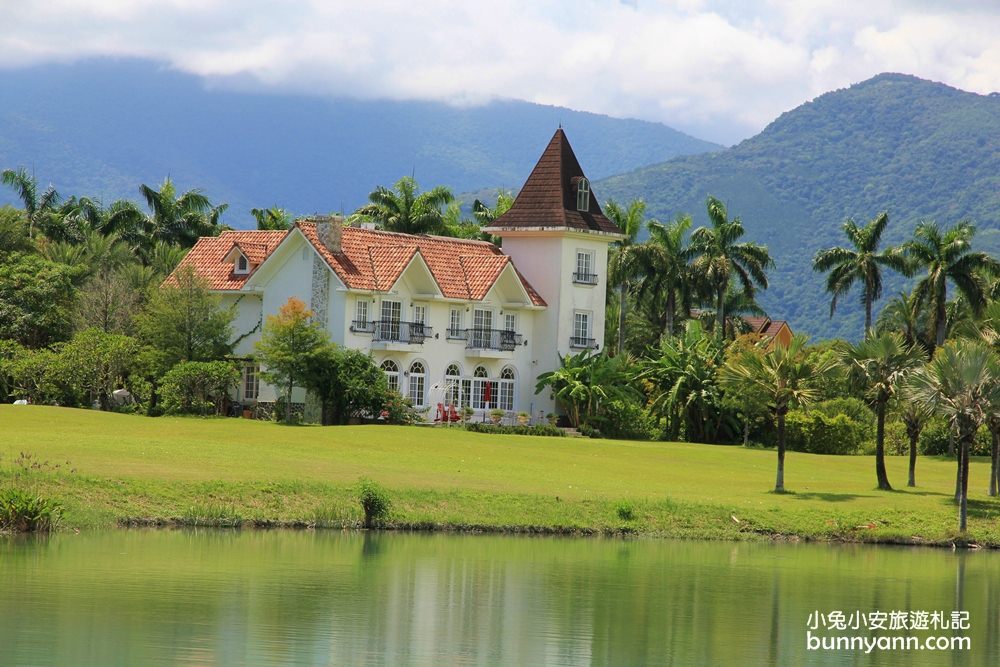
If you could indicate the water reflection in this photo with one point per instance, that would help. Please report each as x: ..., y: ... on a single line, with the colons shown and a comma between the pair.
x: 325, y: 598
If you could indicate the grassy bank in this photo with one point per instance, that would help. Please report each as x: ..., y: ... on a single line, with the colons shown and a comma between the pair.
x: 114, y: 468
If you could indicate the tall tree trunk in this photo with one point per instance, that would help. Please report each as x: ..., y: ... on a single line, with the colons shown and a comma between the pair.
x: 779, y: 483
x: 288, y: 404
x: 880, y: 473
x: 942, y: 318
x: 671, y: 307
x: 914, y: 434
x: 622, y: 305
x: 720, y: 314
x: 995, y: 458
x: 746, y: 431
x: 868, y: 311
x: 963, y: 508
x: 958, y: 473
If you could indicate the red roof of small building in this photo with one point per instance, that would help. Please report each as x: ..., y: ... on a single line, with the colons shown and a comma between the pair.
x: 207, y: 255
x: 548, y: 198
x: 369, y: 260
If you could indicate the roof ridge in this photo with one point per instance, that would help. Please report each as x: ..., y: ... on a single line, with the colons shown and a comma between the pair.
x: 465, y: 276
x: 371, y: 260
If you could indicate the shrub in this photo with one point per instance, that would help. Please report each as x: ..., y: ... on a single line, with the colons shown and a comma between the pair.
x: 625, y: 420
x: 625, y: 510
x: 22, y: 512
x: 589, y: 431
x: 374, y: 501
x: 816, y: 433
x: 854, y: 408
x: 399, y: 410
x: 537, y: 429
x: 934, y: 440
x: 198, y: 387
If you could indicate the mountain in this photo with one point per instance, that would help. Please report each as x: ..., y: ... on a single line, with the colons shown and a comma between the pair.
x: 917, y: 149
x: 103, y: 127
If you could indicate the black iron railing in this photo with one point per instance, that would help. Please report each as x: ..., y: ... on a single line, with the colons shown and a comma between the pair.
x: 394, y: 331
x: 585, y: 278
x: 492, y: 339
x: 582, y: 343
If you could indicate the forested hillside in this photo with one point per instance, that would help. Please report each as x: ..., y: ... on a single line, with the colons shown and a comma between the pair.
x: 919, y: 150
x: 102, y: 128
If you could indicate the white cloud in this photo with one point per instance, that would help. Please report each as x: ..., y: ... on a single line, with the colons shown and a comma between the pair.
x: 721, y: 69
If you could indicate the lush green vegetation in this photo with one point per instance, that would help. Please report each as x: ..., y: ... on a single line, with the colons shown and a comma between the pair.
x: 919, y: 150
x: 223, y: 470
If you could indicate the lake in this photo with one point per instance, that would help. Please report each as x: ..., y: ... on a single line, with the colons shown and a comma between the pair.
x: 211, y: 597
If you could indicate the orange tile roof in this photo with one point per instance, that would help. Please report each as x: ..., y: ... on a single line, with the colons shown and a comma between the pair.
x: 373, y: 260
x: 207, y: 254
x: 369, y: 260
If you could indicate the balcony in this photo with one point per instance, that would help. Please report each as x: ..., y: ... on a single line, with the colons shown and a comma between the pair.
x: 394, y: 331
x: 491, y: 343
x: 584, y: 278
x: 579, y: 343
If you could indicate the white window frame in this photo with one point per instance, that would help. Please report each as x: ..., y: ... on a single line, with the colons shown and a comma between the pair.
x: 420, y: 313
x: 361, y: 312
x: 251, y: 382
x: 453, y: 385
x: 510, y: 322
x: 588, y: 326
x: 242, y: 265
x: 583, y: 195
x: 456, y: 317
x: 391, y: 376
x: 506, y: 387
x: 417, y: 384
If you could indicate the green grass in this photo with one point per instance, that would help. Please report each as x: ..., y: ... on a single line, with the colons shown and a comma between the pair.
x: 113, y: 468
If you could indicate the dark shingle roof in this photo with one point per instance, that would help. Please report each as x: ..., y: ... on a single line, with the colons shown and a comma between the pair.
x: 548, y: 198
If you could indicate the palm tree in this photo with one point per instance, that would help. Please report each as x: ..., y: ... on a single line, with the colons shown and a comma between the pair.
x: 738, y: 306
x: 180, y: 219
x: 904, y: 314
x: 682, y: 380
x: 914, y: 417
x: 722, y: 260
x: 36, y: 206
x: 584, y: 381
x: 785, y: 377
x: 987, y: 331
x: 961, y: 382
x: 863, y: 263
x: 273, y: 218
x: 404, y: 209
x: 662, y: 267
x: 878, y: 366
x: 948, y: 256
x: 485, y: 215
x: 621, y: 264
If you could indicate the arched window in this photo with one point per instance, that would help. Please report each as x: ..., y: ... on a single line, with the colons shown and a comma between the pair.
x: 505, y: 389
x: 479, y: 383
x: 453, y: 385
x: 418, y: 378
x: 583, y: 195
x: 391, y: 371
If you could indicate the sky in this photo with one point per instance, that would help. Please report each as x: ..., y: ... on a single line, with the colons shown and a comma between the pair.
x: 720, y: 70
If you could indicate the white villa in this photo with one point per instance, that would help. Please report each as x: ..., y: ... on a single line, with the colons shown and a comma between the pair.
x: 448, y: 320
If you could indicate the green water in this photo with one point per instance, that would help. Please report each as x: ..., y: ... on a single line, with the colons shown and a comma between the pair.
x: 137, y: 597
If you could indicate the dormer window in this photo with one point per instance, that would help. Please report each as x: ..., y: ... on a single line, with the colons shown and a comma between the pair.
x: 583, y: 195
x: 242, y: 265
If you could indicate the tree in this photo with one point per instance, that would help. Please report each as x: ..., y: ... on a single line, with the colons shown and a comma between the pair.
x: 862, y: 263
x: 14, y: 231
x: 786, y: 377
x: 347, y: 383
x: 198, y: 387
x: 621, y: 266
x: 914, y: 416
x: 948, y: 256
x: 583, y: 382
x: 180, y: 219
x: 903, y: 313
x: 721, y: 259
x: 405, y: 209
x: 878, y: 366
x: 987, y: 331
x: 272, y: 218
x: 744, y: 399
x: 737, y: 306
x: 682, y: 378
x: 36, y: 298
x: 662, y: 266
x: 36, y: 206
x: 961, y: 383
x: 99, y: 363
x: 183, y: 321
x: 486, y: 215
x: 108, y: 302
x: 288, y: 347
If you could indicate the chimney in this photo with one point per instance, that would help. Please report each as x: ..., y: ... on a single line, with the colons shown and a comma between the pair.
x: 330, y: 230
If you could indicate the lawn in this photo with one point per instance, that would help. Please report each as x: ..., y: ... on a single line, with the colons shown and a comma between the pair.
x: 114, y: 467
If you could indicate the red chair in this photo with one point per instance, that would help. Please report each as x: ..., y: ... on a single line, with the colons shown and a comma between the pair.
x: 453, y: 415
x: 441, y: 414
